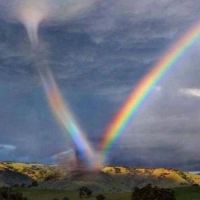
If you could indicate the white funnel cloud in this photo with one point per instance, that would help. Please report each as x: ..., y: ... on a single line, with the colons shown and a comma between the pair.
x: 31, y: 13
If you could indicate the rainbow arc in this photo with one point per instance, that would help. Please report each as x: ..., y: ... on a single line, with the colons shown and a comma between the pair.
x: 146, y: 86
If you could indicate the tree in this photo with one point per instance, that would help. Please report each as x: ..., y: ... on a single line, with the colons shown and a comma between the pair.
x: 85, y: 192
x: 8, y: 194
x: 100, y: 197
x: 34, y: 184
x: 151, y: 193
x: 65, y: 198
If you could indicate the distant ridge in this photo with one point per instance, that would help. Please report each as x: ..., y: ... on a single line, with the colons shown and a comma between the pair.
x: 109, y: 178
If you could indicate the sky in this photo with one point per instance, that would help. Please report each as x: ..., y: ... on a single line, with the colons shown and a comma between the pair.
x: 97, y: 56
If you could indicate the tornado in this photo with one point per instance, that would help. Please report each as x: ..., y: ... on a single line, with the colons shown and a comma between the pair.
x: 33, y: 13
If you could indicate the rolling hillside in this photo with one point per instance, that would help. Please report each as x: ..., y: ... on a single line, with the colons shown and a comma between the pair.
x: 24, y: 173
x: 107, y: 179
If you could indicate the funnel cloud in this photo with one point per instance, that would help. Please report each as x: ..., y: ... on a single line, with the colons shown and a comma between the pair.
x: 33, y: 12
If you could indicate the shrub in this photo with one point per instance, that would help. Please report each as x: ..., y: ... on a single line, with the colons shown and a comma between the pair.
x: 8, y: 194
x: 100, y: 197
x: 65, y: 198
x: 151, y: 193
x: 34, y: 184
x: 85, y: 192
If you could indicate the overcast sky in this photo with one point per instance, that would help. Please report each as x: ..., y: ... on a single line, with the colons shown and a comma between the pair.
x: 97, y: 57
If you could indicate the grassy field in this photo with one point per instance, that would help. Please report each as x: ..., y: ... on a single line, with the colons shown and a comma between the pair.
x: 41, y: 194
x: 189, y: 193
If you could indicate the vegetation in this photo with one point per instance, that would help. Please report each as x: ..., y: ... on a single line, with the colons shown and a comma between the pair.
x: 85, y: 192
x: 8, y: 194
x: 100, y: 197
x: 187, y: 193
x: 37, y: 172
x: 111, y: 181
x: 151, y: 193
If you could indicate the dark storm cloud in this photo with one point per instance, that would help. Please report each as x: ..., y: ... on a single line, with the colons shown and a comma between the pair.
x: 97, y: 59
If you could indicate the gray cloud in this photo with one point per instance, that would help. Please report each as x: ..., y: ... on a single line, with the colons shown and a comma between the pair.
x: 46, y: 10
x: 166, y: 129
x: 7, y: 147
x: 97, y: 59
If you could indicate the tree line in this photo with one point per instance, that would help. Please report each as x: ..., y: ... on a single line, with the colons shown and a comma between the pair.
x: 148, y: 192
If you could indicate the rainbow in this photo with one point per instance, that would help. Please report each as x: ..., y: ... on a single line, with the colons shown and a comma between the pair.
x: 66, y: 119
x: 146, y: 85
